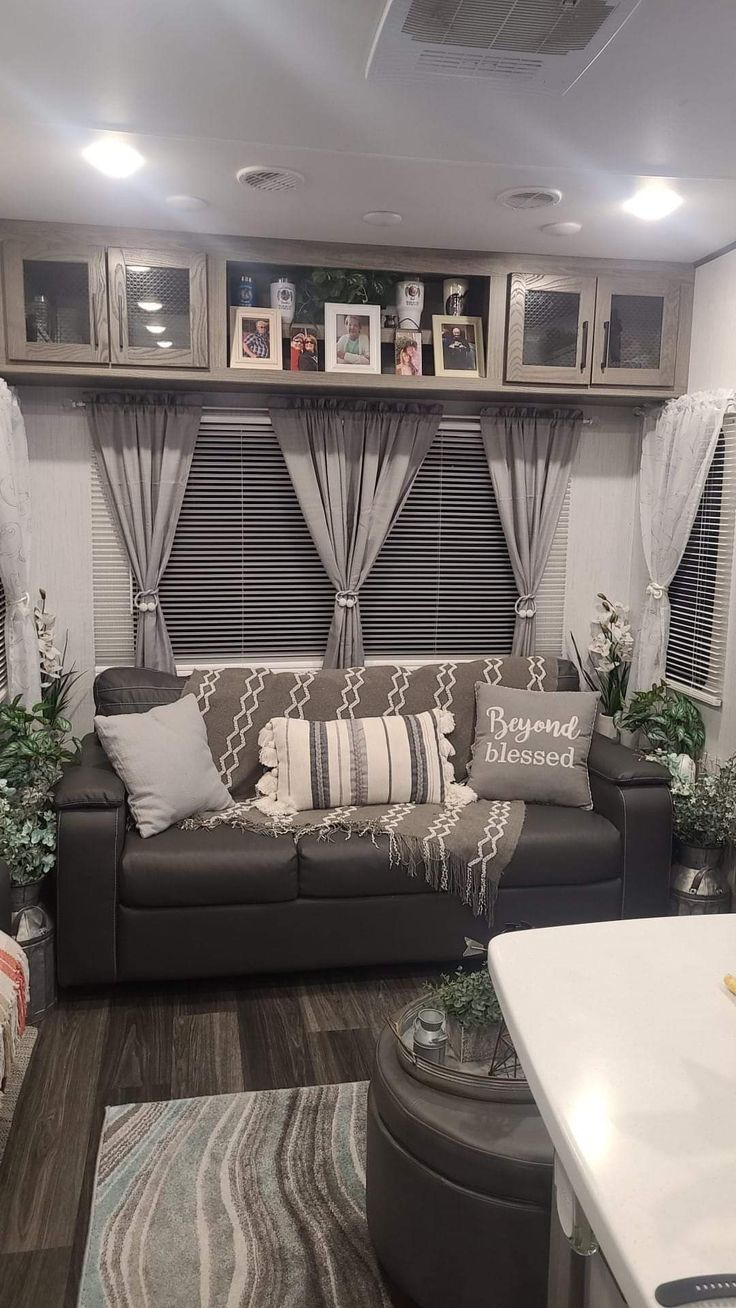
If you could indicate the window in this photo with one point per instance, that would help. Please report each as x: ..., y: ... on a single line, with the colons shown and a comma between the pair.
x: 700, y: 590
x: 245, y: 582
x: 3, y: 653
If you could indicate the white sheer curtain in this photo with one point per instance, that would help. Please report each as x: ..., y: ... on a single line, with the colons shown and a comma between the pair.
x: 24, y: 676
x: 675, y: 460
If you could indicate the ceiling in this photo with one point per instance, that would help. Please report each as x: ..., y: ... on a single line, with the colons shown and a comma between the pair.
x: 202, y: 89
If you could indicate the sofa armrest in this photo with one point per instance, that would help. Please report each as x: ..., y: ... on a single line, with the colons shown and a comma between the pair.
x: 91, y: 819
x: 614, y: 762
x: 633, y: 793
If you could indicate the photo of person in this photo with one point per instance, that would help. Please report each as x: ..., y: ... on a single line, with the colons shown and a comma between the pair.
x: 256, y: 338
x: 408, y: 353
x: 458, y: 348
x: 458, y: 345
x: 303, y: 350
x: 352, y: 338
x: 354, y: 346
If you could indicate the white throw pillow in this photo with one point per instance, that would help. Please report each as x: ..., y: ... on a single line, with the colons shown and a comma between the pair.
x: 164, y: 761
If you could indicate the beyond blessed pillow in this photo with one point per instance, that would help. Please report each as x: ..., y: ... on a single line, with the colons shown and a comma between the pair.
x: 357, y: 761
x: 164, y: 761
x: 533, y: 747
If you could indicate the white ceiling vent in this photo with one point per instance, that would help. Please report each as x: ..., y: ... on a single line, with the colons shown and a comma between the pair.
x: 269, y: 179
x: 540, y: 45
x: 530, y: 197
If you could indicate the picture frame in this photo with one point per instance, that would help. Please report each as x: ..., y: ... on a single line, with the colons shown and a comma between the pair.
x: 304, y: 348
x: 249, y: 338
x: 353, y: 330
x: 458, y: 346
x: 408, y: 352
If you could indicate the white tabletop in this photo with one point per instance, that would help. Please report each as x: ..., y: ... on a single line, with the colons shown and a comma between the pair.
x: 627, y: 1035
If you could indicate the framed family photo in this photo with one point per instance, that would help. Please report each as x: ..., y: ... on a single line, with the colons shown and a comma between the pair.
x: 304, y: 348
x: 256, y: 338
x: 408, y: 353
x: 353, y: 338
x: 458, y: 346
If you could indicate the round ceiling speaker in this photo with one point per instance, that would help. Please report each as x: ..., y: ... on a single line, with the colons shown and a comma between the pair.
x: 529, y: 197
x: 259, y: 178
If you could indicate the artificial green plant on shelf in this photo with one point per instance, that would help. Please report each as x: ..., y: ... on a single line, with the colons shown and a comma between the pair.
x: 338, y: 286
x: 35, y: 744
x: 473, y: 1013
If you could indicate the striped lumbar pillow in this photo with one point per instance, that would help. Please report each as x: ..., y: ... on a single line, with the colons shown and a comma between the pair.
x: 356, y: 761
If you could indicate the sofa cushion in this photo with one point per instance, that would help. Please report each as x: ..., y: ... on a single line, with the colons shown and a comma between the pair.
x: 135, y: 690
x: 195, y: 868
x: 557, y: 846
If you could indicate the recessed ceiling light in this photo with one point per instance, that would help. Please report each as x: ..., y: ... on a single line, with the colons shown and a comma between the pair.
x: 653, y: 202
x: 562, y: 229
x: 150, y: 306
x: 155, y: 327
x: 382, y: 218
x: 137, y: 267
x: 164, y: 345
x: 113, y: 158
x: 186, y: 202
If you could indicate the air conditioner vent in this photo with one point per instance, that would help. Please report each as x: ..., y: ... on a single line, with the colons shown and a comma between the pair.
x: 269, y: 179
x: 544, y: 43
x: 530, y: 197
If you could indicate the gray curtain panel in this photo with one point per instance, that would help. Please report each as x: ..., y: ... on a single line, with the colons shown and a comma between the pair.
x: 145, y: 446
x: 530, y: 454
x: 352, y: 466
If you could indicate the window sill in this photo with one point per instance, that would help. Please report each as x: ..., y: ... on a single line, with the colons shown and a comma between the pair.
x: 694, y: 692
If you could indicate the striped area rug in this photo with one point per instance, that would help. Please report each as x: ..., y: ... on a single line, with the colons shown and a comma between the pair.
x: 252, y: 1200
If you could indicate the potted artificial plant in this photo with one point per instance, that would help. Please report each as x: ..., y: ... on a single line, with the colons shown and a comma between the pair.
x: 608, y: 663
x: 671, y: 722
x: 704, y: 826
x: 35, y: 743
x: 473, y: 1014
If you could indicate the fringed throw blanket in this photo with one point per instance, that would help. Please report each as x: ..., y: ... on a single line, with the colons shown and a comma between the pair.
x: 460, y: 848
x: 14, y: 991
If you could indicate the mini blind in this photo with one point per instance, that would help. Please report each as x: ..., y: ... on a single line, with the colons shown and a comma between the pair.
x: 443, y: 584
x: 244, y: 580
x: 3, y: 652
x: 111, y: 582
x: 700, y: 590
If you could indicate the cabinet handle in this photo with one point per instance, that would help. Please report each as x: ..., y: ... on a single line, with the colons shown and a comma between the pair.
x: 606, y: 333
x: 95, y: 341
x: 120, y: 320
x: 584, y: 351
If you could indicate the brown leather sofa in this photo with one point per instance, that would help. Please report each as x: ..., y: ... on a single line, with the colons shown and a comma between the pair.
x: 188, y: 904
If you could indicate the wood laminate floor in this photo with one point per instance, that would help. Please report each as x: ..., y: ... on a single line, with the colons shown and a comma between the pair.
x: 133, y: 1044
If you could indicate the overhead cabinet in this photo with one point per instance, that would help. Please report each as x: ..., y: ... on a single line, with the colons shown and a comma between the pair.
x: 56, y: 303
x: 82, y: 304
x: 592, y: 331
x: 158, y: 307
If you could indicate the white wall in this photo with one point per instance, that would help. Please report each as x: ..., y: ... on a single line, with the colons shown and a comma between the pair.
x: 713, y: 366
x: 603, y: 551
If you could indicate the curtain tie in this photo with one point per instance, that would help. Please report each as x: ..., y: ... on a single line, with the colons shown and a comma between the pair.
x: 346, y: 599
x: 22, y: 603
x: 146, y: 600
x: 656, y: 590
x: 525, y: 606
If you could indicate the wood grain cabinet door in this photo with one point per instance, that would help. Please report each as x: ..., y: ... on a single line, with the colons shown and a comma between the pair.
x: 158, y: 307
x: 55, y: 302
x: 550, y: 328
x: 636, y: 326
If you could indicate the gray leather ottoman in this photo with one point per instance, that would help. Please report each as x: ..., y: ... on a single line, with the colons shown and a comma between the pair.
x: 458, y: 1192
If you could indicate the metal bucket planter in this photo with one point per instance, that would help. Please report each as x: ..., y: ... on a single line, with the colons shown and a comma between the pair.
x: 33, y: 928
x: 698, y: 881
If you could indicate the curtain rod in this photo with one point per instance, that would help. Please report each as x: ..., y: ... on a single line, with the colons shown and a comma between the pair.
x: 638, y: 412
